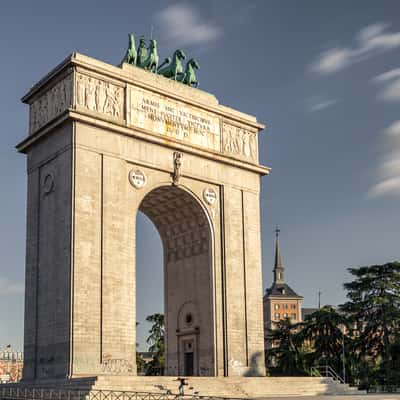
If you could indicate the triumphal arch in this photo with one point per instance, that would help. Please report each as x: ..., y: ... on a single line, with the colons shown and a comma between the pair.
x: 104, y: 143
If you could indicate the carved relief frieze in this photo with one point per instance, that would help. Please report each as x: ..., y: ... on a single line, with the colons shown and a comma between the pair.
x: 51, y: 104
x: 239, y: 142
x: 99, y: 96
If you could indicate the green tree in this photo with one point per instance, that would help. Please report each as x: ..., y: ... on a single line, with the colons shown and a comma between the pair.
x: 374, y: 309
x: 323, y: 332
x: 285, y: 357
x: 140, y: 363
x: 156, y: 340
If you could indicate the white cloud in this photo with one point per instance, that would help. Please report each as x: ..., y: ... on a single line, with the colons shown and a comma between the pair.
x: 394, y: 129
x: 183, y: 25
x: 332, y: 60
x: 387, y: 76
x: 320, y: 103
x: 387, y: 186
x: 389, y: 169
x: 9, y: 288
x: 370, y: 41
x: 371, y: 31
x: 391, y: 85
x: 391, y: 92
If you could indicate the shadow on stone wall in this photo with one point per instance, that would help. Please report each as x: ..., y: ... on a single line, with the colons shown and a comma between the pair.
x: 256, y: 367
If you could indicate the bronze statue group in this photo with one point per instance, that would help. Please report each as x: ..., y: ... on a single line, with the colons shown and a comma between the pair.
x: 146, y: 57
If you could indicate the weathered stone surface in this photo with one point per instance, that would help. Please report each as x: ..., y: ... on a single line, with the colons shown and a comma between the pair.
x: 173, y: 119
x: 131, y: 97
x: 99, y: 96
x: 115, y: 387
x: 116, y: 142
x: 51, y: 104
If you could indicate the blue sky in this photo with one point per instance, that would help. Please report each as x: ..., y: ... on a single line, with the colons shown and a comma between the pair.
x: 323, y: 76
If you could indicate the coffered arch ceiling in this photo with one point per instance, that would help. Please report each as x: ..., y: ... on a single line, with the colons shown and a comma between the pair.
x: 181, y: 222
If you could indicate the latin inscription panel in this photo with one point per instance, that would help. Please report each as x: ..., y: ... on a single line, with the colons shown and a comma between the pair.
x: 174, y: 119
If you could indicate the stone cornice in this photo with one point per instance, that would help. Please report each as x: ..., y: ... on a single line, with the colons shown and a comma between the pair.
x: 141, y: 78
x: 137, y: 103
x: 142, y: 134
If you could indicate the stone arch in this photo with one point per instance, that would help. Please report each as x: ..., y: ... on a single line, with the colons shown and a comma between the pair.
x: 186, y: 234
x: 81, y: 232
x: 181, y: 221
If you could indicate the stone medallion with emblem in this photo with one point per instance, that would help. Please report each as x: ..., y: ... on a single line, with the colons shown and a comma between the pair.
x: 137, y: 178
x: 209, y: 195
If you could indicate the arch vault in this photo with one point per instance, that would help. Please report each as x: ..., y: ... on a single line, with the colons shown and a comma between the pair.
x: 185, y: 232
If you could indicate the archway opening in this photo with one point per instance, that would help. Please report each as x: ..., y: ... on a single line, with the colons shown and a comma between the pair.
x: 186, y: 238
x: 149, y: 278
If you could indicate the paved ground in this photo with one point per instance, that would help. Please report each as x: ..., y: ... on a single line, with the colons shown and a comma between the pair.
x: 357, y: 397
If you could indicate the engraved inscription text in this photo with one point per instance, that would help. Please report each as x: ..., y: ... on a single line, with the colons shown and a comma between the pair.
x: 174, y: 119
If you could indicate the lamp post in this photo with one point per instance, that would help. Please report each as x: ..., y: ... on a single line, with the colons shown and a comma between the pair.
x: 343, y: 356
x: 319, y: 299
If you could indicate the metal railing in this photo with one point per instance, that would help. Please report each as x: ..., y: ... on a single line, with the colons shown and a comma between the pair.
x: 29, y: 393
x: 326, y: 371
x: 384, y: 389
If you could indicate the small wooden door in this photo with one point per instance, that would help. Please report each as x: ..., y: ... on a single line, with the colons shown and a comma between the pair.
x: 189, y: 364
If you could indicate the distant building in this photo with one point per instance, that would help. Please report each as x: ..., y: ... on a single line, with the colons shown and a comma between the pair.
x: 280, y: 300
x: 11, y: 364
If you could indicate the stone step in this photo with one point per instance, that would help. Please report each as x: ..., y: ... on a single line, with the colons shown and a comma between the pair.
x: 230, y: 387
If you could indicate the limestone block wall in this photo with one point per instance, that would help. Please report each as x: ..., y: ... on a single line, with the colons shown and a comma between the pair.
x: 188, y: 281
x: 244, y: 312
x: 31, y: 273
x: 119, y: 273
x: 253, y: 287
x: 103, y: 271
x: 87, y: 262
x: 91, y: 124
x: 46, y: 334
x: 235, y: 282
x: 104, y: 274
x: 238, y: 323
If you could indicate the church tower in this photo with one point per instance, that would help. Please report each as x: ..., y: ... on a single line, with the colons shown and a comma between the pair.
x: 280, y: 300
x: 278, y: 265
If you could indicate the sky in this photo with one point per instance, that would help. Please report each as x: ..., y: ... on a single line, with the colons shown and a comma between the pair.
x: 324, y: 76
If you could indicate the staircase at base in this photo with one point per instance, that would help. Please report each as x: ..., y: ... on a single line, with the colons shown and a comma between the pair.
x: 110, y: 386
x: 232, y: 387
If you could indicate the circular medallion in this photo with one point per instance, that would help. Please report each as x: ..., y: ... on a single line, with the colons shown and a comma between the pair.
x: 209, y: 195
x: 137, y: 178
x: 48, y: 183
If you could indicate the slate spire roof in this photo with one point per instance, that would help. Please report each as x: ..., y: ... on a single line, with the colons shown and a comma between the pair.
x: 279, y: 287
x: 278, y: 265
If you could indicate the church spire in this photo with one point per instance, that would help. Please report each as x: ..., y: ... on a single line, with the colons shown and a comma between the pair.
x: 278, y: 266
